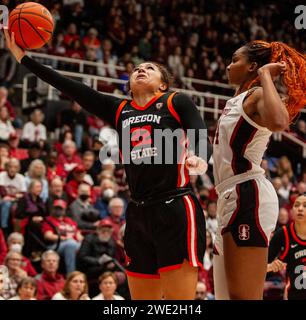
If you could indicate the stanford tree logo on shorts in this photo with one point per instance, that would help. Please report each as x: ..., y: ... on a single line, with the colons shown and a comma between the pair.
x: 244, y: 232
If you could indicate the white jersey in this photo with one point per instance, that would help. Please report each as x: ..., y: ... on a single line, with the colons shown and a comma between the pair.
x: 239, y: 142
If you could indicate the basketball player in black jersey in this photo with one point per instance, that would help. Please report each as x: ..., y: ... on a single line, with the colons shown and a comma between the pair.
x: 288, y: 248
x: 165, y: 225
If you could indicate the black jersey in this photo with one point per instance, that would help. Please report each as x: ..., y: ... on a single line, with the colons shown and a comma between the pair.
x: 151, y: 141
x: 289, y: 248
x: 148, y: 173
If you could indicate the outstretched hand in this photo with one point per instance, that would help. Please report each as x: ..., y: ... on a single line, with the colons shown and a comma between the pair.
x: 17, y: 52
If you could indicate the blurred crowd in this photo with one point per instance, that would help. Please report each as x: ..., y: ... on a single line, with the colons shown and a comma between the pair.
x: 62, y: 211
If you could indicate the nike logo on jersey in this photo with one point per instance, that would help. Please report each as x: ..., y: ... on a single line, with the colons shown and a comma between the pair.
x: 294, y: 246
x: 169, y: 201
x: 227, y: 197
x: 126, y: 111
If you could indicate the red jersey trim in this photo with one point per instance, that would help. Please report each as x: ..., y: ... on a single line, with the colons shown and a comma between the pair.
x: 172, y: 110
x: 295, y: 237
x: 142, y: 275
x: 148, y: 104
x: 121, y: 106
x: 282, y: 257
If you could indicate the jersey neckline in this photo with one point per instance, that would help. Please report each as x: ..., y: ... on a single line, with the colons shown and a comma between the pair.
x: 295, y: 236
x: 148, y: 104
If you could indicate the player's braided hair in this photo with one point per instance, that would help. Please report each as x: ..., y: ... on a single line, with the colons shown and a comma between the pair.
x: 294, y: 78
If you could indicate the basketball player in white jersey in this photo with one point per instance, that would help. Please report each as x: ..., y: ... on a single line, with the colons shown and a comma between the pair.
x: 247, y: 201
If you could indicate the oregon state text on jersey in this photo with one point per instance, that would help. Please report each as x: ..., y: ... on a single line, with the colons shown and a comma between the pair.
x: 136, y: 127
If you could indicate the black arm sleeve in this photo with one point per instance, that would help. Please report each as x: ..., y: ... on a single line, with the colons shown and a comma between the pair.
x: 277, y: 244
x: 101, y: 105
x: 191, y: 119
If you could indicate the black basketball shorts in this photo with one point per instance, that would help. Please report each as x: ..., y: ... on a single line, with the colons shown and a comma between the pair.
x: 160, y: 237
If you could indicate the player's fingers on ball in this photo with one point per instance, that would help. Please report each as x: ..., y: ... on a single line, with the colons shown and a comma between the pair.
x: 13, y: 38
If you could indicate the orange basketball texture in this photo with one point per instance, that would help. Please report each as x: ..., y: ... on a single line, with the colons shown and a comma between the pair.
x: 32, y: 25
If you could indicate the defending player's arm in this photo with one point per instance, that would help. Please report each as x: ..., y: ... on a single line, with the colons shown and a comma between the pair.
x: 271, y: 110
x: 103, y: 106
x: 200, y: 145
x: 276, y: 247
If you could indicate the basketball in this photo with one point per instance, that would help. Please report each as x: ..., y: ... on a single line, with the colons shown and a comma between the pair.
x: 32, y: 25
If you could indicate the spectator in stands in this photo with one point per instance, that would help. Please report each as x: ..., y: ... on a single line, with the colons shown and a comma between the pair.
x: 91, y: 40
x: 95, y: 124
x: 78, y: 177
x: 71, y: 35
x: 6, y: 127
x: 284, y: 167
x: 265, y: 166
x: 88, y: 160
x: 69, y: 159
x: 201, y: 291
x: 56, y: 192
x: 13, y: 262
x: 4, y: 155
x: 82, y: 211
x: 37, y: 171
x: 49, y: 282
x: 108, y: 285
x: 3, y: 248
x: 53, y: 170
x: 64, y: 136
x: 283, y: 218
x: 175, y: 62
x: 31, y: 210
x: 69, y: 234
x: 107, y: 192
x: 286, y: 187
x: 4, y: 102
x: 14, y: 150
x: 277, y: 184
x: 301, y: 129
x: 301, y: 187
x: 35, y: 152
x: 15, y: 243
x: 75, y: 288
x: 116, y: 216
x: 58, y: 46
x: 76, y: 50
x: 145, y: 47
x: 75, y: 118
x: 97, y: 253
x: 26, y: 290
x: 12, y: 188
x: 34, y: 130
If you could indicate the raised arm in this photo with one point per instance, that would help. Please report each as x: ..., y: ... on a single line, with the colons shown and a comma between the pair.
x: 271, y: 110
x: 101, y: 105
